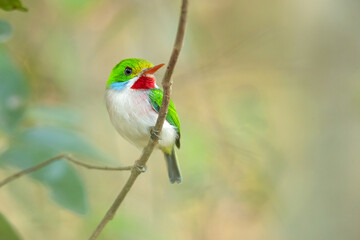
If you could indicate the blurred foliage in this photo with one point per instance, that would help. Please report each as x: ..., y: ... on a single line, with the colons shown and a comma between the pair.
x: 10, y: 5
x: 6, y: 230
x: 5, y: 31
x: 35, y: 145
x: 13, y: 94
x: 28, y: 146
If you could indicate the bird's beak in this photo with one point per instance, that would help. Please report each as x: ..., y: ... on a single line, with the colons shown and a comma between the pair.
x: 152, y: 70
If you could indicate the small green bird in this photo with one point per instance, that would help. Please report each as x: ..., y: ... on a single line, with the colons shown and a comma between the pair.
x: 133, y: 101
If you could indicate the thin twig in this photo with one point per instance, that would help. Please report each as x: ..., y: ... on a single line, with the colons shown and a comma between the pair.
x: 71, y: 159
x: 51, y: 160
x: 141, y: 163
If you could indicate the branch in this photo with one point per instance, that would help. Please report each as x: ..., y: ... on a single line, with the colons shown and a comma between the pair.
x: 141, y: 163
x: 51, y: 160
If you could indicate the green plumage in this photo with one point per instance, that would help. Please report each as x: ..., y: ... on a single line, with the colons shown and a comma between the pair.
x: 156, y: 96
x: 136, y: 64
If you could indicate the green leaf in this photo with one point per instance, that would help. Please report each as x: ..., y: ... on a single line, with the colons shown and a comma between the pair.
x: 10, y: 5
x: 66, y: 188
x: 39, y: 144
x: 5, y: 31
x: 60, y: 140
x: 53, y: 116
x: 6, y: 230
x: 13, y: 93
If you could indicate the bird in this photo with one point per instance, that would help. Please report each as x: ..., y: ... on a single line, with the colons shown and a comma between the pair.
x: 133, y: 101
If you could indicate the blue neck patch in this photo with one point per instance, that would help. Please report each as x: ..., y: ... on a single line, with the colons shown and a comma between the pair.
x: 119, y: 85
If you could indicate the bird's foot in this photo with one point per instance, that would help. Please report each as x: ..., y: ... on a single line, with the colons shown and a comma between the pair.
x: 141, y: 168
x: 155, y: 135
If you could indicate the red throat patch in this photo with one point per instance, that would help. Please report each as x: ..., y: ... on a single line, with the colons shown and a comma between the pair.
x: 144, y: 82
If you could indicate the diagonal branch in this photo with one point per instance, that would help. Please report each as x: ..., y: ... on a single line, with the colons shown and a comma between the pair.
x: 141, y: 163
x: 51, y: 160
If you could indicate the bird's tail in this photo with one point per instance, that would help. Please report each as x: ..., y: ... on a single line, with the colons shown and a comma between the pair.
x: 173, y: 166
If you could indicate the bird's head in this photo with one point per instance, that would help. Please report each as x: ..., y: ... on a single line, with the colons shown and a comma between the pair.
x: 133, y: 73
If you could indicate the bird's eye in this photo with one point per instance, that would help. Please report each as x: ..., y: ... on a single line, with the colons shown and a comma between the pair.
x: 128, y: 71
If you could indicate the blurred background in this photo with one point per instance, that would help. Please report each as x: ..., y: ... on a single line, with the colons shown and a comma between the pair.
x: 268, y: 95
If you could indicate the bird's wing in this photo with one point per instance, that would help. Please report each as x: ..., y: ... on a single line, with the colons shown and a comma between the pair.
x: 172, y: 117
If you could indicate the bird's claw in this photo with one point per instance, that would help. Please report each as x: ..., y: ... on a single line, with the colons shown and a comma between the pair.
x: 141, y: 168
x: 155, y: 135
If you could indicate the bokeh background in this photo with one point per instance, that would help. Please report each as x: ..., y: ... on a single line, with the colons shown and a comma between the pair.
x: 268, y: 94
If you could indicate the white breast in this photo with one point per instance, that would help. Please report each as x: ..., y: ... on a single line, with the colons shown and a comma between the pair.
x: 133, y: 116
